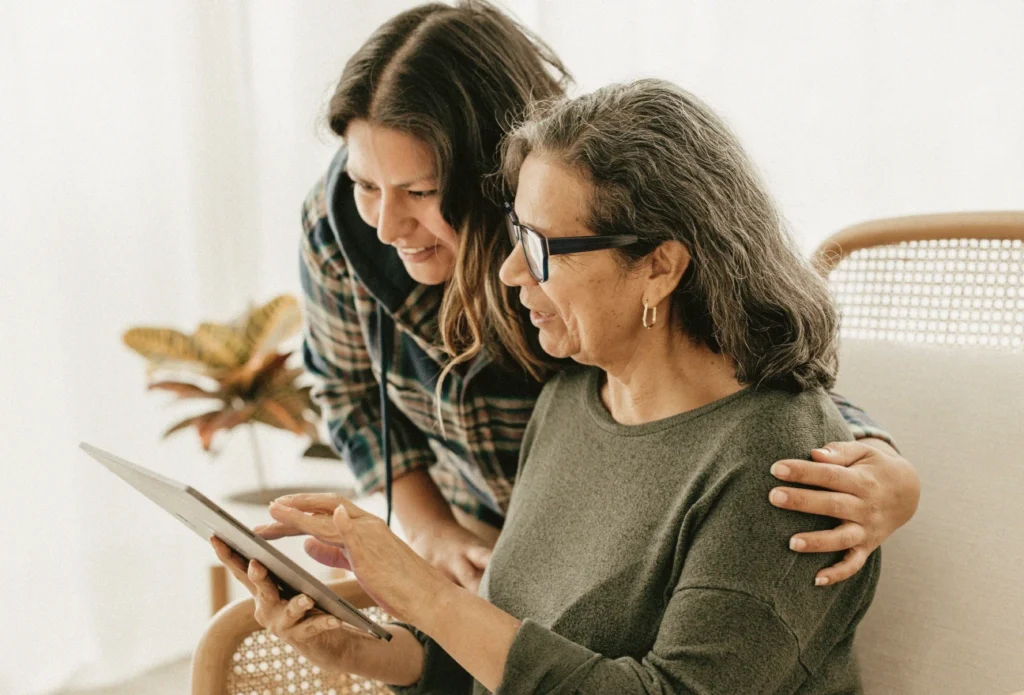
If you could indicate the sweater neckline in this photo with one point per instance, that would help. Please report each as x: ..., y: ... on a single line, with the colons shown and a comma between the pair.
x: 604, y: 420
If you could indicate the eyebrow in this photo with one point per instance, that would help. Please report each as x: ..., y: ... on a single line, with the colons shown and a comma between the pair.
x: 355, y: 176
x: 530, y: 225
x: 545, y: 231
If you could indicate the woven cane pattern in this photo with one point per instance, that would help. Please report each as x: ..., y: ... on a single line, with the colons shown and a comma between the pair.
x: 955, y: 292
x: 264, y: 665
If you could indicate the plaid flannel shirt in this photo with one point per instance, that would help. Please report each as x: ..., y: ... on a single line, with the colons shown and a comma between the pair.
x: 345, y: 273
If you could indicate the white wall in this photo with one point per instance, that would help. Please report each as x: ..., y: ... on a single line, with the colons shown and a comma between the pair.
x: 854, y: 110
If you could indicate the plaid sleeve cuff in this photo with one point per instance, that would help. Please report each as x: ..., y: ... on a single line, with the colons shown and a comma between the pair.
x: 862, y: 425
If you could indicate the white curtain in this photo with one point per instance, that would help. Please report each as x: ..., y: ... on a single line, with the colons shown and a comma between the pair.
x: 154, y: 160
x: 153, y: 157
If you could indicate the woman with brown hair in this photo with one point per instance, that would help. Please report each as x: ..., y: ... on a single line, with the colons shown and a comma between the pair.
x: 637, y: 555
x: 403, y: 240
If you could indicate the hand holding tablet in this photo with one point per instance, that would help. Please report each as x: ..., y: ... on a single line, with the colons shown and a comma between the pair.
x: 272, y: 573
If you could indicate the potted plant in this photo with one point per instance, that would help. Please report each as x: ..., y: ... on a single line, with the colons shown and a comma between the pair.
x: 238, y: 370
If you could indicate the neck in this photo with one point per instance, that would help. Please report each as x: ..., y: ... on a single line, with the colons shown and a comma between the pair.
x: 665, y: 374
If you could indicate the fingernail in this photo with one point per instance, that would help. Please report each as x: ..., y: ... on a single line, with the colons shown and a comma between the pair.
x: 305, y: 602
x: 780, y: 470
x: 797, y: 544
x: 334, y: 622
x: 820, y: 581
x: 778, y: 497
x: 824, y: 451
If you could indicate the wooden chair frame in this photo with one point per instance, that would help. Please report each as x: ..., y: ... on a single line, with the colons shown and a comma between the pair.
x: 895, y: 230
x: 211, y: 661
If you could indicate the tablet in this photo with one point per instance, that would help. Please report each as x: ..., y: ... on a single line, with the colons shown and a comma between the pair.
x: 208, y: 520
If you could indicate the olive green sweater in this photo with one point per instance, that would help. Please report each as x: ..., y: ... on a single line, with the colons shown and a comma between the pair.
x: 647, y: 559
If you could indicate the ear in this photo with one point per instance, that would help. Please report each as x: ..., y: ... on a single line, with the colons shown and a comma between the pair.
x: 668, y: 262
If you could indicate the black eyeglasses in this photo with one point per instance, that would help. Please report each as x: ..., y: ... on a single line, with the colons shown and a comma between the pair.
x: 538, y: 248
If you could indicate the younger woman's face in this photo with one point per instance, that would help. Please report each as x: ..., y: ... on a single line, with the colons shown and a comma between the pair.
x: 396, y: 191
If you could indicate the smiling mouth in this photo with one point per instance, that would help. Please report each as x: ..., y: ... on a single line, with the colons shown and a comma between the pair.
x: 537, y: 318
x: 419, y: 253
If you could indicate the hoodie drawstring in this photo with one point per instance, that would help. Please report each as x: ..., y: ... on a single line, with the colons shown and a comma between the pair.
x: 385, y: 344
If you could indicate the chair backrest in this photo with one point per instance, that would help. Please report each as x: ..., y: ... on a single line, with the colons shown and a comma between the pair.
x: 932, y: 279
x: 237, y: 657
x: 933, y: 322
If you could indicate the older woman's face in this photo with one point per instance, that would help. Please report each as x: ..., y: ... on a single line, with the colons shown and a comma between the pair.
x: 590, y: 307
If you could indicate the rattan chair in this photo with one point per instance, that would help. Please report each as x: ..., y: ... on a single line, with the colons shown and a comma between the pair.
x: 237, y: 657
x: 951, y: 279
x: 932, y: 332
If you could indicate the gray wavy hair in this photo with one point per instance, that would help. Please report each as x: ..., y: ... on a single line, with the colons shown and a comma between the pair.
x: 663, y: 166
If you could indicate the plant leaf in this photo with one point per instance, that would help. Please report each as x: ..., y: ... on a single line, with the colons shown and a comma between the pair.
x: 274, y: 414
x: 271, y: 324
x: 272, y: 365
x: 188, y: 422
x: 221, y: 345
x: 285, y: 378
x: 182, y: 389
x: 224, y: 420
x: 161, y: 344
x: 252, y: 378
x: 269, y: 372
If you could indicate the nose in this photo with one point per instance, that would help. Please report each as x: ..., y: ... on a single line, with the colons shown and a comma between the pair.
x: 514, y: 271
x: 392, y: 220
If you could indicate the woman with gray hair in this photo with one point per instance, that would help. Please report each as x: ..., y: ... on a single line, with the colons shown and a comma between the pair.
x: 636, y: 556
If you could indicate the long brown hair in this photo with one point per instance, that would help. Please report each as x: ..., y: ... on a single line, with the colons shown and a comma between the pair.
x: 458, y: 78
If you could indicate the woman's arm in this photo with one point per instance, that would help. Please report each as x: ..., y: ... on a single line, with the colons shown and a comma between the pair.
x: 869, y: 487
x: 735, y: 622
x: 710, y: 639
x: 346, y: 389
x: 397, y: 579
x: 476, y: 634
x: 335, y: 354
x: 435, y: 534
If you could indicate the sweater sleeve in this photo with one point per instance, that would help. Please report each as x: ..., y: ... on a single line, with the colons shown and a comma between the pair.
x: 442, y: 675
x: 711, y: 641
x: 335, y: 354
x: 715, y: 637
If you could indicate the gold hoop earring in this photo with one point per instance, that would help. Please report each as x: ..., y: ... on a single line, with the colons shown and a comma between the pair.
x: 654, y: 316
